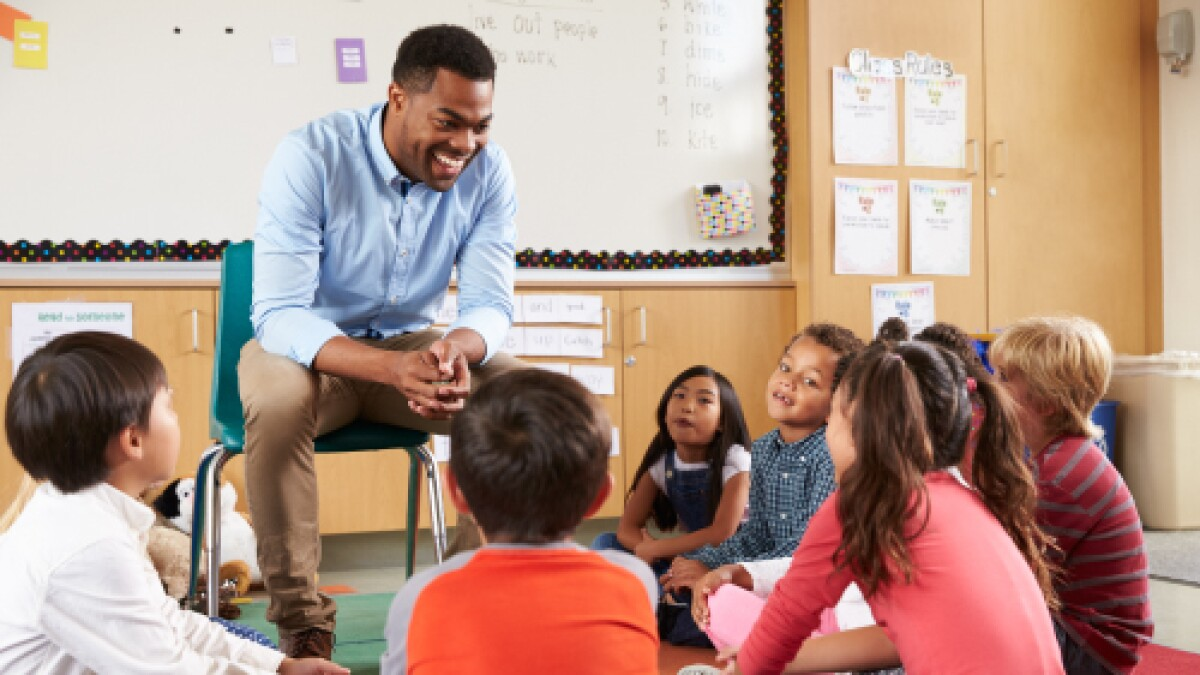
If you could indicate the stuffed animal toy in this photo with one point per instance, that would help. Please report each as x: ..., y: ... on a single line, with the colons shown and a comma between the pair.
x: 170, y: 553
x: 237, y: 537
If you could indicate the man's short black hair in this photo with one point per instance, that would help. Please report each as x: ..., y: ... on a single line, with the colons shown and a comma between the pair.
x: 530, y: 454
x: 74, y: 395
x: 454, y: 48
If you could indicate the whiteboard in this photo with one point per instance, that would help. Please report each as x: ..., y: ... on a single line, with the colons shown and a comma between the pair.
x: 611, y: 111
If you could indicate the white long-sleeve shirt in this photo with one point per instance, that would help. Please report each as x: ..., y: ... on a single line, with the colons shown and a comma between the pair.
x: 852, y: 610
x: 80, y: 596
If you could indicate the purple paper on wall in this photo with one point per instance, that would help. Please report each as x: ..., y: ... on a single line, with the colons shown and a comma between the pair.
x: 351, y: 60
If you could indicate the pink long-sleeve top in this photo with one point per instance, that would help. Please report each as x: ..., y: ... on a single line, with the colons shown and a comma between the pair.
x: 973, y: 605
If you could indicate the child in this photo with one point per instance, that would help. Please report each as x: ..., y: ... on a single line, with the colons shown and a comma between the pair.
x: 1006, y: 483
x: 953, y: 338
x: 953, y: 590
x: 695, y: 475
x: 791, y: 473
x: 893, y: 329
x: 1057, y: 369
x: 529, y: 459
x: 90, y: 413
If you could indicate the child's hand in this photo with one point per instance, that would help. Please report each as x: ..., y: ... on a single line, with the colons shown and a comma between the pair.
x: 311, y: 667
x: 729, y: 654
x: 646, y: 548
x: 708, y: 584
x: 684, y: 573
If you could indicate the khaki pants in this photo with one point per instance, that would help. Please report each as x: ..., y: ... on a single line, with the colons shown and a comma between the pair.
x: 286, y: 407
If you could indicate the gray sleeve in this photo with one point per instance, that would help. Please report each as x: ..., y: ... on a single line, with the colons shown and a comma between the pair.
x: 639, y: 569
x: 394, y: 660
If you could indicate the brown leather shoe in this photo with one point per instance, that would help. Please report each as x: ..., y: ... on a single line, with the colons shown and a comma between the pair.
x: 308, y: 643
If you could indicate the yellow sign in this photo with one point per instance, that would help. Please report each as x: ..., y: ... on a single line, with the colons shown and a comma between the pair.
x: 30, y: 43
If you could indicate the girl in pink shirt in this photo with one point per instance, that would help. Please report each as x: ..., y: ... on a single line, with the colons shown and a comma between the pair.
x: 954, y: 576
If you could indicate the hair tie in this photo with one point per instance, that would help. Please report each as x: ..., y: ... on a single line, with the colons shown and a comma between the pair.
x: 972, y: 385
x: 896, y: 357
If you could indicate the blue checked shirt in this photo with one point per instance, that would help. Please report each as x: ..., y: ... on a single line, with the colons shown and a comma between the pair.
x: 347, y: 245
x: 788, y: 483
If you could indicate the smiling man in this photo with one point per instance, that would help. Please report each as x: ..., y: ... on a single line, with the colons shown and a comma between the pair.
x: 362, y: 216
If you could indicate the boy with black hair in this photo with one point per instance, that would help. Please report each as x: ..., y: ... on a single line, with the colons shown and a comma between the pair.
x: 530, y: 460
x: 90, y: 413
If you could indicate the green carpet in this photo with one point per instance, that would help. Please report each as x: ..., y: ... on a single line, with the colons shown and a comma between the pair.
x: 360, y: 620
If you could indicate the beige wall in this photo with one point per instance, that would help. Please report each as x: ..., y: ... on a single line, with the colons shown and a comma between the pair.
x: 1180, y: 98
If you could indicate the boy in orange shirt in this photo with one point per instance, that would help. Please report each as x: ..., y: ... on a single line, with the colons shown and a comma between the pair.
x: 529, y: 461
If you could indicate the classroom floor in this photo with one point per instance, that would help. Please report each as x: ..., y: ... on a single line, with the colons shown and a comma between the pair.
x: 371, y: 563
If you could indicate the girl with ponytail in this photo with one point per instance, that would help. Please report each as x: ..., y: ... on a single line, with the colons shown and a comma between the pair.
x: 954, y: 575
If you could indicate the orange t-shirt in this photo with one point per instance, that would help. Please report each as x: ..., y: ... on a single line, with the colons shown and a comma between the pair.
x: 526, y: 609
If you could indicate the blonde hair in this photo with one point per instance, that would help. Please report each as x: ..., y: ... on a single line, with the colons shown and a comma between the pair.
x: 1066, y: 363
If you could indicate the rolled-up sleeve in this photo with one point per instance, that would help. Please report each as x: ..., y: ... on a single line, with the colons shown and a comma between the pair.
x: 287, y: 255
x: 485, y: 261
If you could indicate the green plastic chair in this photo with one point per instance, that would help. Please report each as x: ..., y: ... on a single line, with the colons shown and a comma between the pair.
x: 226, y: 427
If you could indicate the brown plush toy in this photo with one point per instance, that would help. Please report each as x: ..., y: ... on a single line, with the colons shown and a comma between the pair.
x: 170, y: 553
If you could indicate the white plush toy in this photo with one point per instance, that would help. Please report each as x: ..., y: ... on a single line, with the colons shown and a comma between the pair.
x: 237, y: 537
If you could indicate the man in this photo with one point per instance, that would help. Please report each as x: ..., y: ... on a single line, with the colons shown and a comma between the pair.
x: 363, y: 214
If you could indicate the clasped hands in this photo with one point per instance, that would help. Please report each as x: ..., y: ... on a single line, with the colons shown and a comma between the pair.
x: 436, y: 381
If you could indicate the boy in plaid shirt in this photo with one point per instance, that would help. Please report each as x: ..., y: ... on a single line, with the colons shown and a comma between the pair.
x: 791, y: 473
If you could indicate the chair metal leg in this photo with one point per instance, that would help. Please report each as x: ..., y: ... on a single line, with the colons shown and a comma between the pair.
x: 437, y: 514
x: 206, y: 527
x: 415, y: 468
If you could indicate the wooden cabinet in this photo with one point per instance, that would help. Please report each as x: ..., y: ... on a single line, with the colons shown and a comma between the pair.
x: 177, y: 323
x: 1053, y: 156
x: 1065, y: 227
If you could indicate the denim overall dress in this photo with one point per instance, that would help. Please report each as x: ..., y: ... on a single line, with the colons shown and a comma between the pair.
x: 688, y: 493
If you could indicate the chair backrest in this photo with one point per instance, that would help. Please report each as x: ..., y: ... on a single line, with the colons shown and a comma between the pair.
x: 233, y: 331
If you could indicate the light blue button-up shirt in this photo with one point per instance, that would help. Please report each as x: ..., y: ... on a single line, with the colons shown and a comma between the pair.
x: 347, y: 245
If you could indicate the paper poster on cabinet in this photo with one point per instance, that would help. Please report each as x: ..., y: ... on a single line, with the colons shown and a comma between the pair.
x: 864, y: 119
x: 935, y: 126
x: 939, y: 216
x: 911, y: 302
x: 865, y: 226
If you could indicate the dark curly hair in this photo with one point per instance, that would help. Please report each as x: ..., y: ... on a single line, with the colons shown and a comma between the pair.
x: 841, y: 340
x: 893, y: 329
x: 957, y: 341
x: 454, y: 48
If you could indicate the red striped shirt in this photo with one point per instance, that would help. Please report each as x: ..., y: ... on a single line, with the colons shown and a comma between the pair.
x: 1084, y: 504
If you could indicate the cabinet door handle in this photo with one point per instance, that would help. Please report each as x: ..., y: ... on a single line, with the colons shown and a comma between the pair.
x: 195, y: 330
x: 974, y: 170
x: 642, y: 325
x: 1001, y: 167
x: 607, y: 326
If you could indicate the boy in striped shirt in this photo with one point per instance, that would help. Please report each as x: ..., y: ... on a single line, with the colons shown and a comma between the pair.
x: 1056, y: 370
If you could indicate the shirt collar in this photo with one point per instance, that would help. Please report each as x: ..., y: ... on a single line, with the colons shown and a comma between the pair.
x: 777, y: 438
x: 553, y: 545
x: 378, y: 152
x: 132, y: 512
